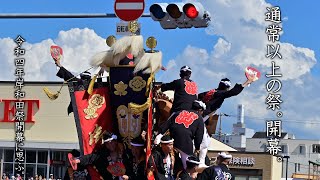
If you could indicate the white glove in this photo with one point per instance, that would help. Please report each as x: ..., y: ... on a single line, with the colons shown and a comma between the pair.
x: 158, y: 139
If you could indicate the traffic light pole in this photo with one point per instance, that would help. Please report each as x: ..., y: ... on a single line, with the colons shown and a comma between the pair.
x: 33, y: 16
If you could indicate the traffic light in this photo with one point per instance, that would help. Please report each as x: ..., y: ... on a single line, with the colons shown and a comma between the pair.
x: 181, y: 15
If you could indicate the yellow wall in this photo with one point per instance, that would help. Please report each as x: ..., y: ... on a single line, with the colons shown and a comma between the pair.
x: 52, y: 124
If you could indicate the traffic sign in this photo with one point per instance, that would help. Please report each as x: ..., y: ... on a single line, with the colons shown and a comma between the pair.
x: 123, y: 29
x: 129, y: 10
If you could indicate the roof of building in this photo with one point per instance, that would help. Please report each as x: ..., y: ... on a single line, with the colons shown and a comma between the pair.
x: 216, y: 145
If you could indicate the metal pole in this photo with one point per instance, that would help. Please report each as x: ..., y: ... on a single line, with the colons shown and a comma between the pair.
x: 282, y: 172
x: 287, y: 169
x: 23, y: 16
x: 286, y: 157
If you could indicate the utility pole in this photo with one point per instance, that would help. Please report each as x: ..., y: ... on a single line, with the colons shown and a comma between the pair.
x: 220, y: 127
x: 286, y: 157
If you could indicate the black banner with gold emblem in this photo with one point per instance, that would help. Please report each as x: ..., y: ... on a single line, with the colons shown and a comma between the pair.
x: 127, y: 87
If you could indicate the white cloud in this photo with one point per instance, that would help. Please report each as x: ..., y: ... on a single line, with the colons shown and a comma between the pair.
x: 78, y: 45
x: 221, y: 48
x: 243, y: 41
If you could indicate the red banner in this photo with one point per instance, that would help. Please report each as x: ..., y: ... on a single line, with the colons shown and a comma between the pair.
x: 94, y: 115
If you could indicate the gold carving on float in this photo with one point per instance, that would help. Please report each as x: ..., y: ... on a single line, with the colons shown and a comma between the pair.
x: 95, y: 102
x: 129, y: 123
x: 137, y: 83
x: 120, y: 89
x: 96, y: 135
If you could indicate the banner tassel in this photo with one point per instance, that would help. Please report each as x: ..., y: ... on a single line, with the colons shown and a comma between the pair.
x: 51, y: 95
x: 137, y: 108
x: 90, y: 88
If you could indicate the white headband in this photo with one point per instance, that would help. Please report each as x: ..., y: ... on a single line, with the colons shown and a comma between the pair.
x: 169, y: 141
x: 86, y: 73
x: 192, y: 161
x: 224, y: 155
x: 202, y: 104
x: 187, y: 68
x: 113, y: 137
x: 227, y: 83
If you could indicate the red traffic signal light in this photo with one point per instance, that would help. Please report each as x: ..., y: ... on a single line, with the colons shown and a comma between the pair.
x: 181, y: 15
x: 190, y: 10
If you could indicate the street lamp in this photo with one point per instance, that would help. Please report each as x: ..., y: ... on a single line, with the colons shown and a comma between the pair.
x: 286, y: 157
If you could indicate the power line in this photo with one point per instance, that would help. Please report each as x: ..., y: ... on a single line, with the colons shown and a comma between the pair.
x: 284, y: 120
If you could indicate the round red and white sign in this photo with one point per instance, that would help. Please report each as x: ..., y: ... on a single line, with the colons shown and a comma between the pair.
x: 129, y: 10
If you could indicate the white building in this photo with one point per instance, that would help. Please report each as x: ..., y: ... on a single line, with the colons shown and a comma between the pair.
x: 300, y: 151
x: 239, y: 132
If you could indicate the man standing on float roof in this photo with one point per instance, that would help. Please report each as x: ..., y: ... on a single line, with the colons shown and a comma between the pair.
x: 185, y: 90
x: 215, y: 97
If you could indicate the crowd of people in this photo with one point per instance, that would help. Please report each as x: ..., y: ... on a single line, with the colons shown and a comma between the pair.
x: 36, y: 177
x: 180, y: 146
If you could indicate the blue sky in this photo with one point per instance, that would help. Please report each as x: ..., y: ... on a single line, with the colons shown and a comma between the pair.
x: 223, y: 50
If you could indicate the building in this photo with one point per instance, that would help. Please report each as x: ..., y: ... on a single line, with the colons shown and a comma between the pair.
x: 300, y: 151
x: 237, y: 139
x: 252, y: 165
x: 247, y: 165
x: 49, y: 132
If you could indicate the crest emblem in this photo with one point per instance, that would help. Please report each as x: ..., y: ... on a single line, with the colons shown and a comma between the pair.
x: 191, y: 87
x: 95, y: 102
x: 129, y: 123
x: 186, y: 118
x: 137, y: 83
x: 120, y: 89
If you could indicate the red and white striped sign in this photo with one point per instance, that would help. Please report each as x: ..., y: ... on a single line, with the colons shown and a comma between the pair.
x: 129, y: 10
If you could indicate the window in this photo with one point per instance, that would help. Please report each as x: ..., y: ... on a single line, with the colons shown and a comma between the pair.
x: 298, y: 166
x: 8, y: 168
x: 31, y: 156
x: 284, y: 149
x: 302, y: 149
x: 316, y: 148
x: 42, y: 170
x: 43, y: 157
x: 30, y: 170
x: 8, y: 155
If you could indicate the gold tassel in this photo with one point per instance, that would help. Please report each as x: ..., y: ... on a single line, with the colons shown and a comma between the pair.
x: 150, y: 79
x: 137, y: 108
x: 90, y: 88
x: 50, y: 95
